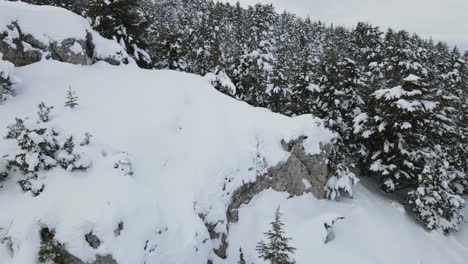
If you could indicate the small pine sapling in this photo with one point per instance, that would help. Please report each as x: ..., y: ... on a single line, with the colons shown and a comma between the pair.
x: 72, y: 99
x: 277, y: 250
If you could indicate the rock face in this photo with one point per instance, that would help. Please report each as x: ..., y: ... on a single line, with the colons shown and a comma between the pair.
x: 21, y: 48
x: 301, y: 173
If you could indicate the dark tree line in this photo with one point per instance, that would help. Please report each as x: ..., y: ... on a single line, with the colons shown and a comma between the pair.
x: 397, y: 102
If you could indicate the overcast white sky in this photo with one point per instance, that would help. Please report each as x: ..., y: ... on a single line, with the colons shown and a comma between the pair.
x: 445, y: 20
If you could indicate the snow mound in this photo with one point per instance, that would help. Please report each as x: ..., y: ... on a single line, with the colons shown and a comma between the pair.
x: 166, y: 149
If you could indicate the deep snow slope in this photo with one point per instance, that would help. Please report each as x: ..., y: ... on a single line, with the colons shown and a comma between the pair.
x: 187, y: 142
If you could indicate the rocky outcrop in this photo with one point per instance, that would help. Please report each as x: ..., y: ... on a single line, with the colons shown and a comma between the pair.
x: 301, y: 173
x: 22, y: 48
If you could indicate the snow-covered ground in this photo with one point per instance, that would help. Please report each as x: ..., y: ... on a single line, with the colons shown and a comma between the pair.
x: 189, y: 147
x: 186, y: 141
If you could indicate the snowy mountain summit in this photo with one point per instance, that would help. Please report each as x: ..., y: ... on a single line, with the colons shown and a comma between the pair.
x: 104, y: 162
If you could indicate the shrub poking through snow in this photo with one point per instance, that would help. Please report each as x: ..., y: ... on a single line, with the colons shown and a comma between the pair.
x: 72, y: 99
x: 276, y: 250
x: 40, y: 148
x: 44, y: 112
x: 87, y: 140
x: 50, y: 250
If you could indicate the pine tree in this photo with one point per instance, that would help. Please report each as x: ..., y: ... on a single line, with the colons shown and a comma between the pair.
x: 276, y: 250
x: 72, y: 99
x: 125, y: 22
x: 252, y: 74
x: 434, y: 202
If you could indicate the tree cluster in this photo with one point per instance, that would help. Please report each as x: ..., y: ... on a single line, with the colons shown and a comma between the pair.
x: 39, y: 148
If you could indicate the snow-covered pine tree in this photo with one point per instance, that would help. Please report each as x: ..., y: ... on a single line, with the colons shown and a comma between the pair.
x: 277, y: 249
x: 304, y: 68
x: 169, y: 35
x: 409, y: 133
x: 72, y: 99
x: 452, y: 107
x: 40, y: 148
x: 338, y: 102
x: 253, y: 70
x: 434, y: 202
x: 125, y: 22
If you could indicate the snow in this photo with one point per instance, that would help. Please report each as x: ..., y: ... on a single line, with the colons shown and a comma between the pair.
x: 373, y: 230
x: 177, y: 142
x: 307, y: 184
x: 167, y: 148
x: 76, y: 48
x: 394, y: 93
x: 412, y: 78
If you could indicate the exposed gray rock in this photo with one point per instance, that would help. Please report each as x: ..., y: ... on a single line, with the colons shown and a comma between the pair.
x: 93, y: 240
x: 108, y: 259
x: 69, y: 50
x: 292, y: 176
x: 21, y: 48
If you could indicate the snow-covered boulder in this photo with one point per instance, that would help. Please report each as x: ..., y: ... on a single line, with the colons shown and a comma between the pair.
x: 29, y: 33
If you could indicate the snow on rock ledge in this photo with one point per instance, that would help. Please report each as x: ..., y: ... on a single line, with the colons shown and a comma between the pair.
x: 29, y: 33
